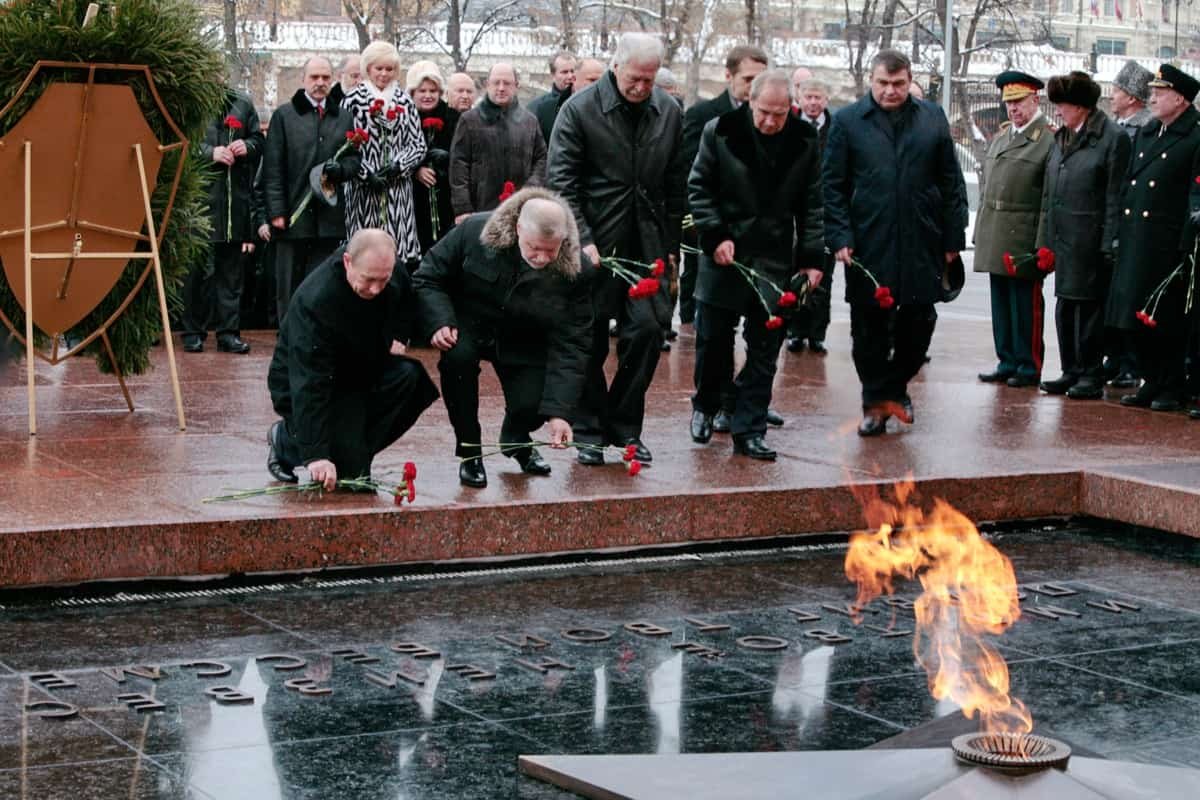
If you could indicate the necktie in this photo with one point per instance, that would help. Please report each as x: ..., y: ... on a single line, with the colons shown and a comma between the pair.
x: 321, y: 112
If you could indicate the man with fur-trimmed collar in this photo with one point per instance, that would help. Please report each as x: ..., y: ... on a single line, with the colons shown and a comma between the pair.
x: 505, y: 287
x: 755, y: 195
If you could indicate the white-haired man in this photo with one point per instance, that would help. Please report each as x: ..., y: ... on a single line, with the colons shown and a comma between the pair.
x: 615, y: 155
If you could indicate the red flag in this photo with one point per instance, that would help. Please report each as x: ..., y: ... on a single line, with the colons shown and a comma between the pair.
x: 1117, y: 10
x: 1095, y: 8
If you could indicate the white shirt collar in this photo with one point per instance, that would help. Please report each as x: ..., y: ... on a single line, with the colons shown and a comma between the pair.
x: 1036, y: 116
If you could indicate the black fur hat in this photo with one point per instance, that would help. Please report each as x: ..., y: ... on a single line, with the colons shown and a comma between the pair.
x: 1076, y: 88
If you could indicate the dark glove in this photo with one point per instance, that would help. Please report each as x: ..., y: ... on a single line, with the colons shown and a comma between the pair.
x: 376, y: 181
x: 438, y: 160
x: 390, y: 172
x: 334, y: 171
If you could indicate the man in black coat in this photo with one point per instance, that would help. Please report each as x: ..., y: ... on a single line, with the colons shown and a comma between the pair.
x: 339, y: 378
x: 895, y: 202
x: 304, y: 132
x: 504, y: 287
x: 742, y: 63
x: 212, y: 295
x: 562, y: 76
x: 755, y: 195
x: 615, y: 156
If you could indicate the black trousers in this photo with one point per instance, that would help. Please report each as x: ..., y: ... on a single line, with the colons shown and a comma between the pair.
x: 212, y: 292
x: 613, y: 414
x: 1080, y: 326
x: 294, y: 259
x: 1161, y: 350
x: 715, y: 328
x: 811, y: 320
x: 523, y: 387
x: 368, y: 421
x: 887, y: 362
x: 1018, y: 317
x: 689, y: 268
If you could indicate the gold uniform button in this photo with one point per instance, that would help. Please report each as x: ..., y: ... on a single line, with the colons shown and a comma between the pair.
x: 1145, y: 214
x: 1133, y: 182
x: 1151, y: 184
x: 1141, y: 155
x: 1127, y: 212
x: 1164, y: 155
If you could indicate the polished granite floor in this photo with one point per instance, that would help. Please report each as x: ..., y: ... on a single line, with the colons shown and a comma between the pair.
x: 584, y: 666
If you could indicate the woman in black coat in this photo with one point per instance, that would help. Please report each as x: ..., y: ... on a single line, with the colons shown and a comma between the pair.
x: 1080, y: 203
x: 432, y: 178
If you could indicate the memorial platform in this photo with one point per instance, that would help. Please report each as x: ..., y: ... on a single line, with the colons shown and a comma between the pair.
x: 101, y: 493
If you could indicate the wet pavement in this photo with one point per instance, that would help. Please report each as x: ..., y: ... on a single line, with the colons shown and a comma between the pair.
x: 437, y: 683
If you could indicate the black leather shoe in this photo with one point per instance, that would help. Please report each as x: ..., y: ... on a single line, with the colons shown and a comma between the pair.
x: 702, y: 429
x: 774, y: 419
x: 817, y: 346
x: 1126, y: 380
x: 1019, y: 381
x: 471, y: 473
x: 795, y: 344
x: 1194, y: 412
x: 672, y: 334
x: 280, y: 471
x: 873, y: 424
x: 1142, y: 398
x: 589, y: 457
x: 665, y: 346
x: 643, y: 453
x: 996, y: 376
x: 1058, y: 385
x: 755, y: 447
x: 907, y: 407
x: 193, y: 344
x: 722, y: 422
x: 1087, y: 389
x: 1167, y: 401
x: 531, y: 462
x: 232, y: 344
x: 1109, y: 369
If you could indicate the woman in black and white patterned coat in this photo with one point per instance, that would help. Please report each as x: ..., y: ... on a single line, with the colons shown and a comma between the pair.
x: 381, y: 196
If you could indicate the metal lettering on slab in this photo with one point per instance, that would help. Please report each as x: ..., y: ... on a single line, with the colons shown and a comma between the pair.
x: 228, y: 695
x: 415, y: 650
x: 51, y: 709
x: 848, y: 610
x: 763, y: 643
x: 354, y: 656
x: 52, y: 680
x: 586, y: 635
x: 118, y: 673
x: 1115, y: 606
x: 647, y: 629
x: 827, y: 637
x: 307, y: 687
x: 470, y: 672
x: 1050, y: 612
x: 543, y: 664
x: 696, y: 649
x: 523, y: 640
x: 208, y: 669
x: 801, y: 615
x: 293, y: 662
x: 888, y: 633
x: 389, y: 680
x: 706, y: 627
x: 1052, y: 589
x: 140, y: 703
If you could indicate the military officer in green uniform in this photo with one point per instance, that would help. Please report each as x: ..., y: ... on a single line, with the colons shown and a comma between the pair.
x: 1156, y: 234
x: 1011, y: 202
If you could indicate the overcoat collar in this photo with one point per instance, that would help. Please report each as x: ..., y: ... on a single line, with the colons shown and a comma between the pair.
x: 611, y: 99
x: 1148, y: 145
x: 303, y: 106
x: 737, y: 128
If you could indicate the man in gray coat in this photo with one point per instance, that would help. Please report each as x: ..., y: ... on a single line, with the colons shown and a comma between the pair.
x: 1130, y: 93
x: 615, y: 156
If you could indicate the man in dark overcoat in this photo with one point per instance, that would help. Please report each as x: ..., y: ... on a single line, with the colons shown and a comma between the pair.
x: 562, y: 80
x: 339, y: 377
x: 304, y: 132
x: 212, y: 293
x: 505, y: 287
x: 615, y: 156
x: 755, y: 195
x: 1007, y: 223
x: 1156, y: 234
x: 1080, y: 208
x: 895, y: 202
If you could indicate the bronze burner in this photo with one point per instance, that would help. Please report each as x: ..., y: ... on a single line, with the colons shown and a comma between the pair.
x: 1011, y: 753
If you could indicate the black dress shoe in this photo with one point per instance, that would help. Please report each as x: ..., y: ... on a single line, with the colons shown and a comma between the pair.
x: 722, y: 422
x: 1142, y: 398
x: 817, y: 346
x: 795, y: 344
x: 589, y: 457
x: 665, y: 346
x: 1020, y: 381
x: 531, y: 462
x: 642, y: 453
x: 193, y: 344
x: 1194, y: 412
x: 1087, y: 388
x: 1126, y: 380
x: 1109, y: 369
x: 996, y: 376
x: 906, y: 406
x: 1167, y: 401
x: 873, y: 424
x: 232, y: 344
x: 279, y: 470
x: 1058, y: 385
x: 672, y: 334
x: 471, y: 473
x: 755, y: 447
x: 774, y: 419
x: 702, y: 429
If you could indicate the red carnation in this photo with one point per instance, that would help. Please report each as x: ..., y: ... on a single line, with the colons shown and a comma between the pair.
x: 432, y: 124
x: 774, y: 322
x: 635, y: 467
x: 377, y: 106
x: 630, y: 452
x: 412, y: 491
x: 1146, y: 319
x: 393, y: 112
x: 658, y: 268
x: 398, y: 497
x: 233, y: 123
x: 508, y: 191
x: 646, y: 287
x: 410, y: 471
x: 787, y: 299
x: 1010, y: 266
x: 1198, y: 179
x: 887, y: 302
x: 357, y: 137
x: 882, y: 292
x: 1045, y: 259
